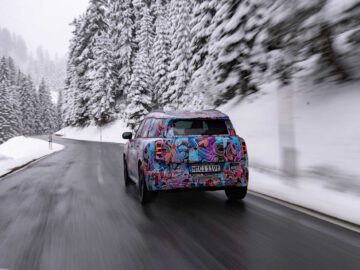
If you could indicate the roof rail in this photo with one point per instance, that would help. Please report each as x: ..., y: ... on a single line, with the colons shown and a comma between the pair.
x: 211, y: 110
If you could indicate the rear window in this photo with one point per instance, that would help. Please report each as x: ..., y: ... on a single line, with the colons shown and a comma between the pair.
x: 199, y: 127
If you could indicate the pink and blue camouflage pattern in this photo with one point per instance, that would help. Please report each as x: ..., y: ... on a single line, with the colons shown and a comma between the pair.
x: 172, y: 169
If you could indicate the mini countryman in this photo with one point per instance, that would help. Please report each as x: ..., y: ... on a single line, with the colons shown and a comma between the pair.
x: 186, y: 150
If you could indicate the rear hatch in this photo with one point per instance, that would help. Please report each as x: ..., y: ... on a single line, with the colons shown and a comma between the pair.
x: 201, y: 141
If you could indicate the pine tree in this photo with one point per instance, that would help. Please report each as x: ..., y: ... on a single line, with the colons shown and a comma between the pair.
x: 46, y: 112
x: 27, y: 102
x: 59, y: 115
x: 7, y: 116
x: 38, y: 125
x: 93, y: 24
x: 180, y: 54
x: 161, y: 53
x: 121, y: 35
x: 102, y: 102
x: 228, y: 68
x: 4, y: 72
x: 139, y: 95
x: 12, y: 71
x: 71, y: 102
x: 14, y: 97
x: 7, y: 68
x: 201, y: 30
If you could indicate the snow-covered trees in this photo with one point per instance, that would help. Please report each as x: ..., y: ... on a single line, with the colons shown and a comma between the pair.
x: 91, y: 77
x: 8, y: 119
x: 71, y: 102
x: 122, y: 38
x: 93, y: 27
x: 161, y: 54
x: 47, y: 119
x: 180, y: 59
x: 39, y: 66
x: 140, y: 89
x: 27, y: 103
x: 23, y: 110
x: 128, y: 57
x: 103, y: 83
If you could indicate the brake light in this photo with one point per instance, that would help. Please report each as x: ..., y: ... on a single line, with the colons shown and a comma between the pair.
x: 158, y: 150
x: 244, y: 148
x: 232, y: 132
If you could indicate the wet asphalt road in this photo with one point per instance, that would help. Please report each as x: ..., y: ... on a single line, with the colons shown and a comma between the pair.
x: 72, y: 211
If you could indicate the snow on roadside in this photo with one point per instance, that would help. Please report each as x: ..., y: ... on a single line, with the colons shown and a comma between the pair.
x: 309, y: 194
x: 327, y: 129
x: 326, y: 119
x: 21, y: 150
x: 109, y: 133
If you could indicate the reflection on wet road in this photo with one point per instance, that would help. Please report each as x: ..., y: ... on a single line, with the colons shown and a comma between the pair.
x: 72, y: 211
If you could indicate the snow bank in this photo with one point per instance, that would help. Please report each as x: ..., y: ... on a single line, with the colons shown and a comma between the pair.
x: 109, y: 133
x: 306, y: 193
x: 327, y: 130
x: 20, y: 150
x: 326, y: 120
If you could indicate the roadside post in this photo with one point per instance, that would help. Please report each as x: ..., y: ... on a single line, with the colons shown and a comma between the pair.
x: 50, y: 139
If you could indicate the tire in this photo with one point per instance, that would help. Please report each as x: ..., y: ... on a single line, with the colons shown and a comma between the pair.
x: 126, y: 174
x: 145, y: 195
x: 236, y: 193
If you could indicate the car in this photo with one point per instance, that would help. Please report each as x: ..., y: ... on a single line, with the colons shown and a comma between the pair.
x: 185, y: 150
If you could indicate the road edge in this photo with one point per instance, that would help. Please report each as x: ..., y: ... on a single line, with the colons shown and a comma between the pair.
x: 26, y: 165
x: 310, y: 212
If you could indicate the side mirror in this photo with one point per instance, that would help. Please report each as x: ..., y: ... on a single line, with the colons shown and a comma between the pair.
x: 127, y: 135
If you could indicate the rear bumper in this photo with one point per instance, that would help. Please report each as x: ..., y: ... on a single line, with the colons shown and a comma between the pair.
x: 164, y: 180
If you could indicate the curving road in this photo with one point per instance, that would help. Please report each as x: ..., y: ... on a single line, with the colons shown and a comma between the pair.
x: 72, y: 211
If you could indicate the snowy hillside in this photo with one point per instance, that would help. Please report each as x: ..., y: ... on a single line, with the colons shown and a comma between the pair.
x: 326, y: 124
x: 327, y: 128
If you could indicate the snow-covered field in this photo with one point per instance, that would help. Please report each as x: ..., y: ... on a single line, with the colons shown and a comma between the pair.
x: 109, y: 133
x: 327, y: 130
x: 20, y: 150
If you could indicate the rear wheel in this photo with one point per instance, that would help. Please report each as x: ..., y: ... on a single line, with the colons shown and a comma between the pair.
x: 126, y: 173
x: 145, y: 195
x: 236, y: 193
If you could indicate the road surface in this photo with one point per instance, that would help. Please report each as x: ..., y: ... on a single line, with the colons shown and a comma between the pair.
x: 72, y: 211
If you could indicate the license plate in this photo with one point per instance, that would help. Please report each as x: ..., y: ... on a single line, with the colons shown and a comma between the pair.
x: 205, y: 168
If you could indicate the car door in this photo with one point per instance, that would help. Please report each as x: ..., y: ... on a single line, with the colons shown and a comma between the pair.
x: 136, y: 146
x: 132, y: 152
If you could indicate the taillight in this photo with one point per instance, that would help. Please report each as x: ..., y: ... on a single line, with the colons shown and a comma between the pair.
x: 244, y: 148
x: 159, y: 150
x: 232, y: 132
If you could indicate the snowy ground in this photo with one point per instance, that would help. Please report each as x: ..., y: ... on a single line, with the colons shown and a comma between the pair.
x: 327, y: 129
x: 308, y: 193
x: 19, y: 151
x: 109, y: 133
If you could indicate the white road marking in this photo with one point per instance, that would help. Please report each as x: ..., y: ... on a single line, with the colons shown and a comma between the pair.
x: 309, y: 212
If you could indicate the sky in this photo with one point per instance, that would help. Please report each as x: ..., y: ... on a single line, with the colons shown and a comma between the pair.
x: 42, y: 22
